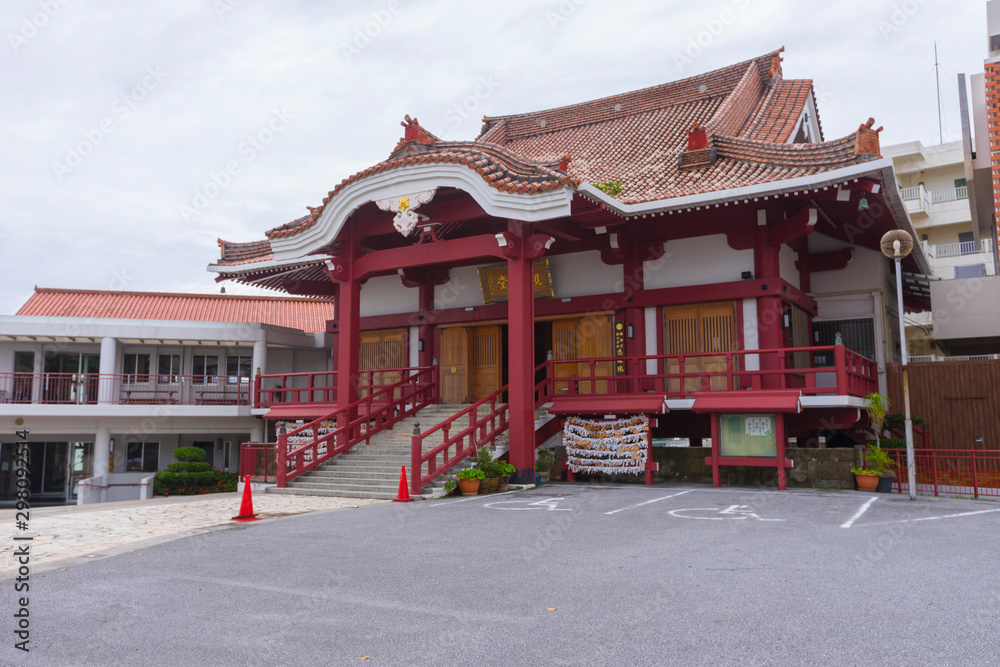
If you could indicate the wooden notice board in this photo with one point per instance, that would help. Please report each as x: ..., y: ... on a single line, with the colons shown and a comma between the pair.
x: 493, y: 280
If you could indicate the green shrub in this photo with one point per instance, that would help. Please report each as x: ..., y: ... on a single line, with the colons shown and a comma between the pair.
x: 189, y: 454
x: 169, y: 483
x: 544, y: 461
x: 471, y: 473
x: 896, y: 421
x: 197, y: 466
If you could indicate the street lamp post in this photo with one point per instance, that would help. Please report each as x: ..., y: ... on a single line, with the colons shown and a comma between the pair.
x: 896, y: 245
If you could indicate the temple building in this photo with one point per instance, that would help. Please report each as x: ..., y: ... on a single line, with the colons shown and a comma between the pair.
x: 695, y: 255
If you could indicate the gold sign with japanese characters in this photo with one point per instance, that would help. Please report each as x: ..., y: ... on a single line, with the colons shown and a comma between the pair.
x: 493, y: 280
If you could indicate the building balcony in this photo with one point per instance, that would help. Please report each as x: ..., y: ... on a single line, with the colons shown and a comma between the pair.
x: 946, y: 257
x: 948, y: 206
x: 81, y: 389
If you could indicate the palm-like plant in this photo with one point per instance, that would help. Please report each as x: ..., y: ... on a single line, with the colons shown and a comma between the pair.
x: 876, y: 406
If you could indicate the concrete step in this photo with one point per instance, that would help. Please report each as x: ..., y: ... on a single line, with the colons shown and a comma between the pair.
x: 375, y: 495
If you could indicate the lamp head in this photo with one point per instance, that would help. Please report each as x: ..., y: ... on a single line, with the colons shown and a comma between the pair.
x: 896, y: 244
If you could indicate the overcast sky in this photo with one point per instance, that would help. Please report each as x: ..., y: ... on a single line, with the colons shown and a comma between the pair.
x: 116, y: 115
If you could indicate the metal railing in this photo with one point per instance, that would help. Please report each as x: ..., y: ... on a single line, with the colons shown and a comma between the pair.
x: 966, y: 472
x: 928, y: 358
x: 123, y: 389
x: 949, y: 194
x: 259, y: 460
x: 943, y: 250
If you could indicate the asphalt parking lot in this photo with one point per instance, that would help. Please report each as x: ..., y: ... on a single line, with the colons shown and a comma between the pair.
x: 559, y: 575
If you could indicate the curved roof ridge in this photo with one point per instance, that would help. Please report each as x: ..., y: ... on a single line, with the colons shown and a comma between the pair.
x: 715, y: 83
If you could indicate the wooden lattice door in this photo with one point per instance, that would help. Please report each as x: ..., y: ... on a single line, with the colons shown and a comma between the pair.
x: 699, y: 329
x: 384, y: 352
x: 486, y: 355
x: 454, y: 370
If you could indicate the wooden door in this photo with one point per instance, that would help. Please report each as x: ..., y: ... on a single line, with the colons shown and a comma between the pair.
x: 380, y: 350
x: 595, y: 336
x: 718, y: 334
x: 564, y: 346
x: 681, y: 337
x: 454, y: 370
x: 485, y: 355
x: 699, y: 329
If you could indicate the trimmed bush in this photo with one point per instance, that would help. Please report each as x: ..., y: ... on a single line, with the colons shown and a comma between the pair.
x: 189, y: 454
x: 192, y: 476
x: 196, y: 466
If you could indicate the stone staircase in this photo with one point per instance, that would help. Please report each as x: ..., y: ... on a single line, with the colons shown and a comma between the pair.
x: 372, y: 471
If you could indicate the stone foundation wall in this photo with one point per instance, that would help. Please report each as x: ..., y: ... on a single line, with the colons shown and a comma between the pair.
x: 818, y: 468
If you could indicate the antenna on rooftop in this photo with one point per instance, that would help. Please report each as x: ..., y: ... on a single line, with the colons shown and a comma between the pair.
x: 937, y: 81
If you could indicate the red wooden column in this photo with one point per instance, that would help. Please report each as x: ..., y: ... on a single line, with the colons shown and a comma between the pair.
x: 521, y: 249
x: 779, y: 430
x: 769, y: 332
x: 521, y: 354
x: 716, y: 452
x: 425, y: 327
x: 348, y: 314
x: 635, y: 317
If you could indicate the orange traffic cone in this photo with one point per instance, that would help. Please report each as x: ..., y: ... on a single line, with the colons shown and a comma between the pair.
x: 246, y: 507
x: 404, y: 492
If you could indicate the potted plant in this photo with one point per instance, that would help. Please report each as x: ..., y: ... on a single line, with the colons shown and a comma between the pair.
x: 543, y: 464
x: 865, y: 478
x: 877, y: 405
x: 878, y: 459
x: 450, y: 485
x: 491, y: 471
x: 506, y: 470
x: 468, y: 481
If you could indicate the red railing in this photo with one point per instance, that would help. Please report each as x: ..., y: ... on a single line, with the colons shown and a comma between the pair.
x: 123, y: 389
x: 682, y: 375
x: 479, y: 432
x: 259, y: 461
x: 321, y: 387
x: 337, y: 432
x: 965, y: 472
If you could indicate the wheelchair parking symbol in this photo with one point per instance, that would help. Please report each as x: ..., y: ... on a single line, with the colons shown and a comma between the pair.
x: 731, y: 512
x: 549, y: 504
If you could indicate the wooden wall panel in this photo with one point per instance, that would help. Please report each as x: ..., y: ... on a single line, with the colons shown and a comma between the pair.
x: 960, y: 400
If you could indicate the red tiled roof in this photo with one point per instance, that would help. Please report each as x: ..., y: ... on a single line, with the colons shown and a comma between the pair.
x: 780, y: 110
x: 637, y: 138
x: 309, y: 315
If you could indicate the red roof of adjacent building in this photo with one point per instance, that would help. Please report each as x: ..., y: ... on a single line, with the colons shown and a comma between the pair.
x: 308, y: 315
x: 638, y: 139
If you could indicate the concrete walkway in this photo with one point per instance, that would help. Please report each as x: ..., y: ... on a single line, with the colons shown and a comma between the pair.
x: 67, y: 535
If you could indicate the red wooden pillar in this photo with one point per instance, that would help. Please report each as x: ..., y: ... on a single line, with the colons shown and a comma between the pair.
x: 769, y: 331
x: 716, y: 452
x: 779, y: 429
x: 348, y: 313
x: 635, y: 319
x: 425, y: 329
x: 521, y: 354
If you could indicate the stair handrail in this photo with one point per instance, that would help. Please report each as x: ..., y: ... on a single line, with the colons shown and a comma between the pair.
x: 481, y: 432
x: 417, y: 391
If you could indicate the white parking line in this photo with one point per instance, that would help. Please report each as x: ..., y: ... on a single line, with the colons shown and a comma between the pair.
x: 483, y: 497
x: 857, y: 515
x: 930, y: 518
x: 654, y: 500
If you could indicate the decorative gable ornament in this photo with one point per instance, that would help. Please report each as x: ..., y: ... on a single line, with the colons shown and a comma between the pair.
x: 866, y: 142
x: 404, y: 207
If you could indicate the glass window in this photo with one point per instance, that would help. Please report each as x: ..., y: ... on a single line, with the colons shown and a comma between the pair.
x: 857, y: 335
x: 238, y: 369
x: 135, y: 367
x: 206, y: 368
x: 168, y: 368
x: 142, y: 457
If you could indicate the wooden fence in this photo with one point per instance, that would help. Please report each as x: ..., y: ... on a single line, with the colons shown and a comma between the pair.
x: 960, y: 400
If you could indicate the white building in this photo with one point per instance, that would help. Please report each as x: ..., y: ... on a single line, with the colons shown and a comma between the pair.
x: 109, y: 384
x: 932, y: 182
